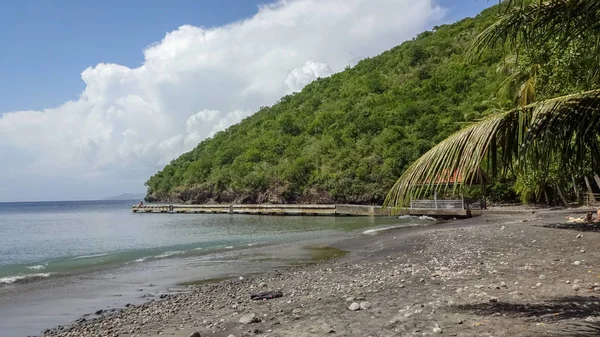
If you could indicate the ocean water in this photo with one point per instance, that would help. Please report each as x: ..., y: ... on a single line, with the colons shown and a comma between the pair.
x: 86, y: 255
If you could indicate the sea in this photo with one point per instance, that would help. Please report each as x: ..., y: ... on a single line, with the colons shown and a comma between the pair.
x: 62, y: 260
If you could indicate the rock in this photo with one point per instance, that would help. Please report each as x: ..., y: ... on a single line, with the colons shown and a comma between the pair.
x: 579, y: 236
x: 327, y: 328
x: 365, y: 305
x: 232, y: 335
x: 493, y: 299
x: 249, y: 318
x: 577, y: 281
x: 241, y: 278
x: 350, y: 299
x: 354, y: 306
x: 568, y: 282
x: 582, y: 250
x: 576, y: 287
x: 542, y: 277
x: 503, y: 284
x: 577, y: 263
x: 99, y: 312
x: 262, y: 285
x: 437, y: 330
x: 195, y: 334
x: 297, y: 311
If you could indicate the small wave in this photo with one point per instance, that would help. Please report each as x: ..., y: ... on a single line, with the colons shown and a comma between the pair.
x: 229, y: 247
x: 422, y: 217
x: 167, y: 254
x: 199, y: 248
x: 37, y: 267
x: 22, y: 278
x: 375, y: 230
x: 89, y: 256
x: 142, y: 259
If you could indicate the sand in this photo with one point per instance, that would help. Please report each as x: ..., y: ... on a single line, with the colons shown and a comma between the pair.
x: 493, y: 275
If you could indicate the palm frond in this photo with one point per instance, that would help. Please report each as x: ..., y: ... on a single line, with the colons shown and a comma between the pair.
x: 536, y: 24
x: 569, y: 125
x: 558, y: 126
x: 461, y: 153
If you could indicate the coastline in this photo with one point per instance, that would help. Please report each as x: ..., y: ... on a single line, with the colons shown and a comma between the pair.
x: 491, y: 275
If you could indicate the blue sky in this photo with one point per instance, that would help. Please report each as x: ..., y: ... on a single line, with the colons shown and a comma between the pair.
x: 47, y: 44
x: 96, y: 96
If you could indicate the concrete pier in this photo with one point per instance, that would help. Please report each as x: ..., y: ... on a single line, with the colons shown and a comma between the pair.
x: 322, y: 210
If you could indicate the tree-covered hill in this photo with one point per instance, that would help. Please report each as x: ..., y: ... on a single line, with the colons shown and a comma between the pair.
x: 345, y: 138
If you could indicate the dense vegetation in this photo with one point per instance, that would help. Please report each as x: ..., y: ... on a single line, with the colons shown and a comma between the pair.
x: 346, y: 138
x: 545, y: 133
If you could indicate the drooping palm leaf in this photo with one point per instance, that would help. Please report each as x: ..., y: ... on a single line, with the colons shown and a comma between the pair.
x: 530, y: 132
x: 562, y: 21
x: 570, y: 126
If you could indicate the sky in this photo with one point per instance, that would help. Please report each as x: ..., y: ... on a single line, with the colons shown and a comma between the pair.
x: 95, y: 97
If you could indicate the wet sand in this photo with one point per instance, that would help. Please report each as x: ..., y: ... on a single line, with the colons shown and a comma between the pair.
x: 494, y: 275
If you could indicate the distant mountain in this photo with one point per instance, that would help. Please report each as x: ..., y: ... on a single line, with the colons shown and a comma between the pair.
x: 127, y: 196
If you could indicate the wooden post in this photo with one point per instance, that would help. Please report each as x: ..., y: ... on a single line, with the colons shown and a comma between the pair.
x: 435, y: 199
x: 484, y: 196
x: 591, y: 197
x: 575, y: 189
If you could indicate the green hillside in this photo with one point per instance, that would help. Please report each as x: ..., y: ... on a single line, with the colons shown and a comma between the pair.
x: 346, y: 138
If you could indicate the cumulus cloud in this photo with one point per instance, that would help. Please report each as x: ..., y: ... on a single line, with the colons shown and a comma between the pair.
x: 128, y: 123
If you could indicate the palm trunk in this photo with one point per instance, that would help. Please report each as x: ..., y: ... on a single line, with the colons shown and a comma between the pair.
x: 560, y: 195
x: 546, y: 197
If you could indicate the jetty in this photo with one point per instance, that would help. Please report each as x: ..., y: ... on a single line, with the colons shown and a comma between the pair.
x: 297, y: 209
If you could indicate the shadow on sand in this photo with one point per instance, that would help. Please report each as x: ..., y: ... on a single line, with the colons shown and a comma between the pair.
x: 557, y: 310
x: 580, y: 227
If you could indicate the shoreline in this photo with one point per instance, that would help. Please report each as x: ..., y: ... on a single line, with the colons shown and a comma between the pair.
x: 490, y: 275
x: 26, y: 309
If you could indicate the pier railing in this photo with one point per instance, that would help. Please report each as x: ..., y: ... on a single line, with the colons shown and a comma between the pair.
x: 437, y: 204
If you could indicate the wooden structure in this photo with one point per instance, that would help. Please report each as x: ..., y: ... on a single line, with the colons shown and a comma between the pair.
x: 457, y: 205
x: 325, y: 210
x: 297, y: 210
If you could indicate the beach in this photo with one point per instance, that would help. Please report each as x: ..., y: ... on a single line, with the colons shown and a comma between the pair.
x: 494, y: 275
x: 62, y: 260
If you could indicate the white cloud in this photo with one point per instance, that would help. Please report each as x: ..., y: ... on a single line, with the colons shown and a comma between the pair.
x: 307, y: 73
x: 128, y: 123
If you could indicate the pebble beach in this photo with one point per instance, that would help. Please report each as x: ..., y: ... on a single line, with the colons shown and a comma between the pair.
x: 494, y: 275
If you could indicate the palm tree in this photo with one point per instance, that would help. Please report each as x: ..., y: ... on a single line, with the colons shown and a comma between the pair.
x: 562, y: 129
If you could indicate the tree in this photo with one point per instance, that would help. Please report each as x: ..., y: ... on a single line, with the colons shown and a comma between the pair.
x: 559, y: 128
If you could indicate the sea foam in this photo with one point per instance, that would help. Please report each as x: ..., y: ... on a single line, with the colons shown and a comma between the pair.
x: 422, y: 217
x: 376, y: 230
x: 170, y: 253
x: 37, y: 267
x: 22, y: 278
